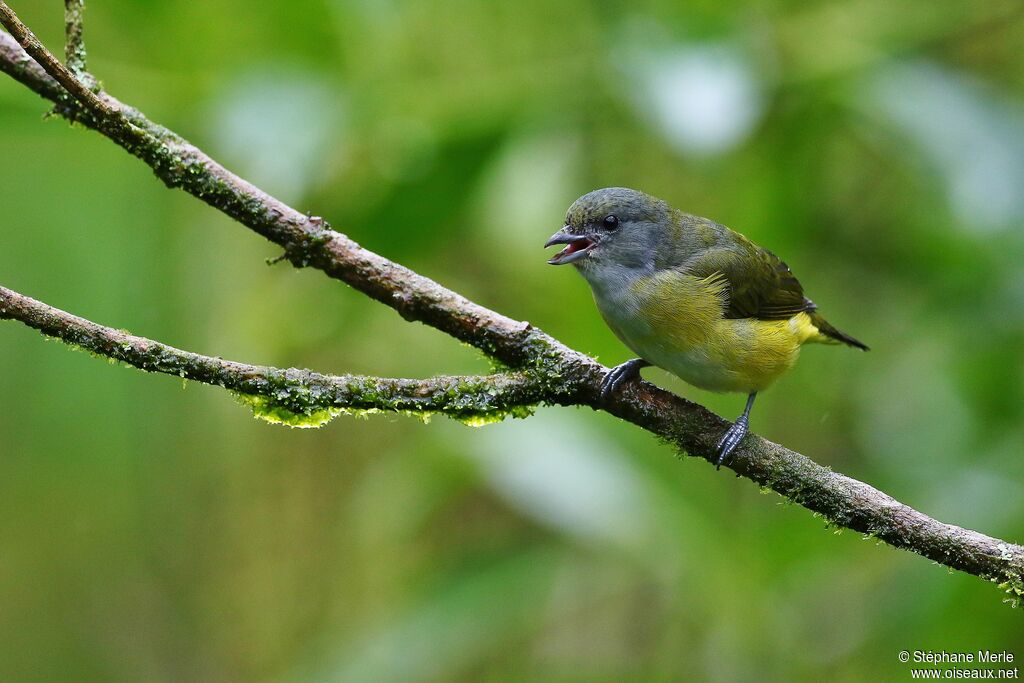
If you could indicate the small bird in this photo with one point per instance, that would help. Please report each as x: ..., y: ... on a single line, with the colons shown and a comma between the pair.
x: 690, y: 296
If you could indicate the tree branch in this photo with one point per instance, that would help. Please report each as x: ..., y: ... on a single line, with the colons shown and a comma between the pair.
x: 296, y: 397
x: 567, y: 376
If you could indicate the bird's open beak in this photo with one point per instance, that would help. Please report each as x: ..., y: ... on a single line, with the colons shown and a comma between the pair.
x: 578, y: 246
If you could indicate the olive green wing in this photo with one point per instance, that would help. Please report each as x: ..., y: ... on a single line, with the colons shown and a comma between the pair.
x: 760, y: 285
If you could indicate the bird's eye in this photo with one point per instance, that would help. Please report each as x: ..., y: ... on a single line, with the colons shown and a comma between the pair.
x: 611, y: 222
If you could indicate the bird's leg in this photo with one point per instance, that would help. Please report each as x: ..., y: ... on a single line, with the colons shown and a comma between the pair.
x: 619, y: 374
x: 735, y: 433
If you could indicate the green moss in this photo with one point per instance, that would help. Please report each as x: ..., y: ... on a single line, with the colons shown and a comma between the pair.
x: 1014, y: 589
x: 265, y: 409
x: 313, y: 417
x: 492, y: 417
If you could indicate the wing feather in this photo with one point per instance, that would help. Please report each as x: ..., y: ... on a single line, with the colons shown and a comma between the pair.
x: 759, y: 284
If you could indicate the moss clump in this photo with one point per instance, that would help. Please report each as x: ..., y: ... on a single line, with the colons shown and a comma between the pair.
x: 1014, y: 589
x: 484, y: 419
x: 265, y: 409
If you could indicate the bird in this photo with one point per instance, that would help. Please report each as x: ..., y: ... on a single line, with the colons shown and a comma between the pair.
x: 690, y: 296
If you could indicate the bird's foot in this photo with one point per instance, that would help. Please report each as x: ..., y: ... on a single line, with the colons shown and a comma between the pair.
x: 731, y: 439
x: 620, y: 374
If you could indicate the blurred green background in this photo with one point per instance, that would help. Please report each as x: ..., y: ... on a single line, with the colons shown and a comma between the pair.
x: 151, y: 533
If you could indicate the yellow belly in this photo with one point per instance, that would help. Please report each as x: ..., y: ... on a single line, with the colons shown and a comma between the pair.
x: 676, y: 322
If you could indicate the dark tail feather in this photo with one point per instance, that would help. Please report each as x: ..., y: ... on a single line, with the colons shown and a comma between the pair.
x: 832, y: 333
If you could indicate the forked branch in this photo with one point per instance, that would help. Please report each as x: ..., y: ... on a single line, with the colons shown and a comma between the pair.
x: 548, y: 371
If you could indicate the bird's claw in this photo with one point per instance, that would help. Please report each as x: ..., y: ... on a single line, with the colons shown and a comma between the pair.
x: 619, y: 375
x: 731, y: 439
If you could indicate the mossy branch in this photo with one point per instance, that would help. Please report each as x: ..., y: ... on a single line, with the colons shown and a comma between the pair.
x: 562, y: 375
x: 74, y: 43
x: 300, y: 398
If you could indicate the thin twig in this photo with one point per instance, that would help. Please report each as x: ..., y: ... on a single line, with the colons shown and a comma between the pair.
x: 295, y: 396
x: 569, y: 377
x: 74, y: 44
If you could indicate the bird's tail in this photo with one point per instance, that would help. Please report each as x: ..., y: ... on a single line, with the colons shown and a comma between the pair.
x: 832, y: 335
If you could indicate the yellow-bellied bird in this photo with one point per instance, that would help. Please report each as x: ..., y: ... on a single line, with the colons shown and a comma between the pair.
x: 690, y: 296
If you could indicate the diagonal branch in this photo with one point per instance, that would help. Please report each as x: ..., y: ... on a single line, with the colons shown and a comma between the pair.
x: 307, y: 241
x: 567, y: 376
x: 300, y: 398
x: 108, y: 119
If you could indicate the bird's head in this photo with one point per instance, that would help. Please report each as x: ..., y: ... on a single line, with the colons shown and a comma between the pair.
x: 614, y: 226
